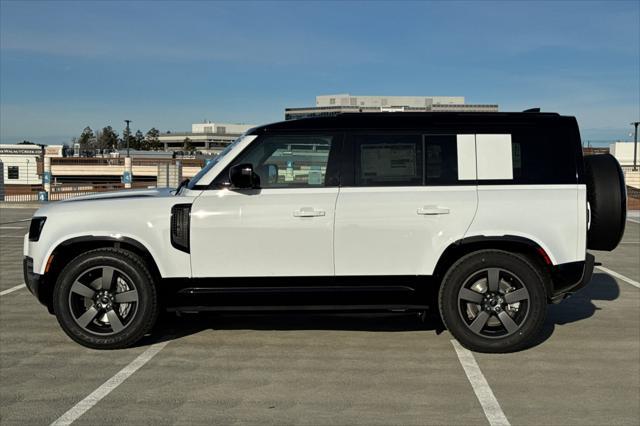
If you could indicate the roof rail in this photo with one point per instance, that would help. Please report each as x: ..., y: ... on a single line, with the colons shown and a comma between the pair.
x: 532, y: 110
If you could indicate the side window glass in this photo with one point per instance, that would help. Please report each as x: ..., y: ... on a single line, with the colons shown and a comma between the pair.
x: 541, y: 156
x: 441, y: 158
x: 290, y: 161
x: 388, y: 160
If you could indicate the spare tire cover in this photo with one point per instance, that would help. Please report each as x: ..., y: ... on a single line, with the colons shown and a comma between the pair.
x: 607, y: 196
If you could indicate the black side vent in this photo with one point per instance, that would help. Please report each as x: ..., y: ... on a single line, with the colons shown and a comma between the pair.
x: 180, y: 224
x: 35, y: 229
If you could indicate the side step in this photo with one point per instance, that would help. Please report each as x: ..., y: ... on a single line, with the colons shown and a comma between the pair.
x: 281, y: 308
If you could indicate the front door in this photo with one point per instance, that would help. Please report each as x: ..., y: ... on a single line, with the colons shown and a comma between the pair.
x: 283, y: 228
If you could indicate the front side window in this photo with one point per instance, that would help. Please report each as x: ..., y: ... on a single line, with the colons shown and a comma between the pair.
x: 388, y: 160
x: 290, y: 161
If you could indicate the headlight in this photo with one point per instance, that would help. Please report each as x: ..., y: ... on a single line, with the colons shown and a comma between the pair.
x: 37, y: 223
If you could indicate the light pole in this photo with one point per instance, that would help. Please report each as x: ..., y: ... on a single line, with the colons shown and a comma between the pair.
x: 635, y: 146
x: 127, y: 121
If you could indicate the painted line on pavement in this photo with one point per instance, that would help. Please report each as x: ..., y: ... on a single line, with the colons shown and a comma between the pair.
x: 492, y: 410
x: 12, y: 236
x: 12, y: 289
x: 633, y: 220
x: 15, y: 221
x: 83, y: 406
x: 13, y: 227
x: 619, y: 276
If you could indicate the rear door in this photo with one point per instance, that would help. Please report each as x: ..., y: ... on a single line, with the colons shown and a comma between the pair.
x: 405, y: 197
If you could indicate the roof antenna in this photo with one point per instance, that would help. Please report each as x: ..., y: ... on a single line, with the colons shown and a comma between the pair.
x: 532, y: 110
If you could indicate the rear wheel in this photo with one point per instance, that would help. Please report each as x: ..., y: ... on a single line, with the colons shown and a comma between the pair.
x: 105, y: 299
x: 493, y: 301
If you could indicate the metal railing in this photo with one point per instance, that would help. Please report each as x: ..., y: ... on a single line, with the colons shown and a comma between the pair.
x: 119, y: 161
x: 87, y: 161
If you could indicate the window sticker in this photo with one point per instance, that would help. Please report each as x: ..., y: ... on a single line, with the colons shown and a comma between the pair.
x: 388, y: 161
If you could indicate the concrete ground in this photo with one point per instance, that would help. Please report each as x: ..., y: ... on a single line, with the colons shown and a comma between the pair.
x: 325, y: 369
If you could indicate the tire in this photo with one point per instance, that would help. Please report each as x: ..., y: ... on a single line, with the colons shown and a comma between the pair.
x: 481, y: 290
x: 106, y: 299
x: 607, y: 196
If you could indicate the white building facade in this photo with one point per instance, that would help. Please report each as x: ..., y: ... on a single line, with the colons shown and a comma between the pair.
x: 623, y: 151
x: 20, y: 164
x: 328, y: 105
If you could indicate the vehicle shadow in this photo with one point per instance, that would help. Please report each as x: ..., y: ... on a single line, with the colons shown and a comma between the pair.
x: 579, y: 307
x: 173, y: 327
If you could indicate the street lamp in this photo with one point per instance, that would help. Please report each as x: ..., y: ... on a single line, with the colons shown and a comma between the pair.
x: 635, y: 146
x: 128, y: 132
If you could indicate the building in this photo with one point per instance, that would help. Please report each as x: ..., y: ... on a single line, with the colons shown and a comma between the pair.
x: 623, y: 151
x: 327, y: 105
x: 206, y: 137
x: 21, y: 163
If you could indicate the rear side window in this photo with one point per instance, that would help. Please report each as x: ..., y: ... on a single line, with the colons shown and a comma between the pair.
x: 441, y: 159
x: 543, y: 156
x: 388, y: 160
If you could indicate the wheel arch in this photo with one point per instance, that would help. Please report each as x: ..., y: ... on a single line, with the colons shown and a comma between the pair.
x: 509, y: 243
x: 68, y: 249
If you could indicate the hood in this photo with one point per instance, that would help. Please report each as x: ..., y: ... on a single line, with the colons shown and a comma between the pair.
x: 128, y: 193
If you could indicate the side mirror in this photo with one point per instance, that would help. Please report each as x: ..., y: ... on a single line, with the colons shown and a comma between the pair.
x: 242, y: 176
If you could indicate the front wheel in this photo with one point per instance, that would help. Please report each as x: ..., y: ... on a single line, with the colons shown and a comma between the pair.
x: 106, y: 299
x: 493, y: 301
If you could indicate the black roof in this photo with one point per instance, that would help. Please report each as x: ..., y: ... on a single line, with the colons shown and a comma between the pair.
x: 412, y: 120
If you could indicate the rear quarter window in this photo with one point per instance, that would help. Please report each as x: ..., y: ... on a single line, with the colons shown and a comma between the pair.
x: 543, y: 155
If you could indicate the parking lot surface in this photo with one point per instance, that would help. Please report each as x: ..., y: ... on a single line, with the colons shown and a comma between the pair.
x: 324, y: 369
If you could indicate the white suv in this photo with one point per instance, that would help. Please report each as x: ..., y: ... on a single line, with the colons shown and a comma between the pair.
x: 485, y: 216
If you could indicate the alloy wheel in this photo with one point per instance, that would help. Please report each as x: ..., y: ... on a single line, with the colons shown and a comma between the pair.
x: 103, y: 300
x: 493, y: 303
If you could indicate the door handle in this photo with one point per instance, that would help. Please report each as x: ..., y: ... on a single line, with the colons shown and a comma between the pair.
x: 433, y: 210
x: 308, y: 212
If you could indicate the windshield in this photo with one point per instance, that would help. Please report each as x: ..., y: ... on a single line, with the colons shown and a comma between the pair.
x: 213, y: 161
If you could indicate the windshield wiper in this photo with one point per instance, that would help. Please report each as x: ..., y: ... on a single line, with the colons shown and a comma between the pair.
x: 182, y: 185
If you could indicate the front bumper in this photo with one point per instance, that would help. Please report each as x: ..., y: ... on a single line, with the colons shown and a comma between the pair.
x: 36, y: 283
x: 568, y: 278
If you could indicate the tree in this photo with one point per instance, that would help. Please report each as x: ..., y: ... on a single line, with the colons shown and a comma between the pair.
x: 26, y: 143
x: 151, y: 139
x: 86, y: 139
x: 108, y: 138
x: 138, y: 141
x: 187, y: 146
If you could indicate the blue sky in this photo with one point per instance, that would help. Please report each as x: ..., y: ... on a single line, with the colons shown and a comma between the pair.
x: 64, y: 66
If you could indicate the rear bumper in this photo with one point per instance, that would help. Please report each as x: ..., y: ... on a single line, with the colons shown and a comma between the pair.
x: 35, y: 282
x: 568, y: 278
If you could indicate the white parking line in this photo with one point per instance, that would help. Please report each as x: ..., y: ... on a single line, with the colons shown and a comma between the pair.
x: 619, y: 276
x: 12, y: 289
x: 83, y: 406
x: 13, y: 227
x: 488, y: 401
x: 633, y: 220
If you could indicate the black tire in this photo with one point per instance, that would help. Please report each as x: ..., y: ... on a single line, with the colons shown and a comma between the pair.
x: 112, y: 291
x: 607, y: 196
x: 517, y: 278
